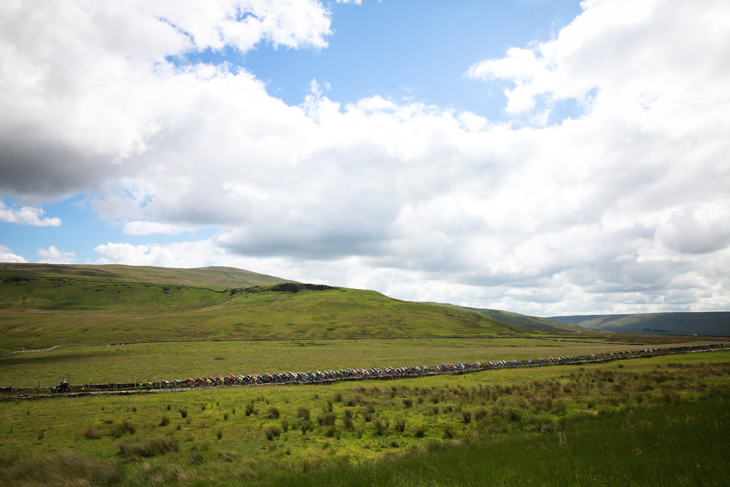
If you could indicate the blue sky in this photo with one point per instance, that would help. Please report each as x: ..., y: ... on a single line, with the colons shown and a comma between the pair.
x: 541, y: 157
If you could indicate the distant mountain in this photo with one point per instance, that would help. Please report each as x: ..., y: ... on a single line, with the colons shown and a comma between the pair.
x: 711, y: 323
x: 530, y: 322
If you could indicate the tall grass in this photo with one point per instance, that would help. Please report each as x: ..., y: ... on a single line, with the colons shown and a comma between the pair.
x: 667, y: 446
x: 61, y: 469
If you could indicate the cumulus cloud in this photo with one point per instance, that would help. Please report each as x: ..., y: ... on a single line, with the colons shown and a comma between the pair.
x: 182, y: 254
x: 87, y: 84
x: 620, y: 207
x: 7, y: 255
x: 27, y: 215
x: 52, y: 255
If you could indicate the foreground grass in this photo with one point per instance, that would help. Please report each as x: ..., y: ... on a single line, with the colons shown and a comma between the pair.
x: 669, y: 445
x: 600, y: 424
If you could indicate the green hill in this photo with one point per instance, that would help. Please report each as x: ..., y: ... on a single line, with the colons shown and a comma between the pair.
x: 714, y: 323
x: 531, y: 322
x: 213, y: 277
x: 42, y: 306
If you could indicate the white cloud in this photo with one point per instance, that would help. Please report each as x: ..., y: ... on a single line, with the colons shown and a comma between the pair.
x: 615, y: 209
x: 7, y: 255
x: 182, y: 254
x: 52, y: 255
x: 138, y: 227
x: 86, y: 85
x: 27, y: 215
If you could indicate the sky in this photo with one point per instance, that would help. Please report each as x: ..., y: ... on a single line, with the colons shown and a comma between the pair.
x: 542, y: 157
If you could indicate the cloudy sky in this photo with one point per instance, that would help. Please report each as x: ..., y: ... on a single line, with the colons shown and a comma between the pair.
x: 543, y: 157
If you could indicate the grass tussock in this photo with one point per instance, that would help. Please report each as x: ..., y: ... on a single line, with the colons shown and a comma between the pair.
x: 120, y: 429
x: 93, y: 433
x: 136, y: 450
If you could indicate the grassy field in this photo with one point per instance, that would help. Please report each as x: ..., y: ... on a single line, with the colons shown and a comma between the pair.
x: 169, y: 361
x: 579, y: 425
x: 604, y: 424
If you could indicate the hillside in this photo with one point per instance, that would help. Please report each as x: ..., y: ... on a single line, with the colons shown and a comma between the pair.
x: 213, y: 277
x: 42, y: 306
x: 716, y: 323
x: 531, y: 322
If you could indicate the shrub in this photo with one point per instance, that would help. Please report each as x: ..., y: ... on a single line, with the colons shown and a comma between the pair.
x: 250, y: 409
x: 285, y: 425
x: 400, y: 425
x: 273, y: 412
x: 347, y: 421
x: 338, y: 397
x: 219, y: 435
x: 164, y: 421
x: 514, y: 415
x: 449, y: 433
x: 408, y: 402
x: 466, y: 415
x: 184, y: 413
x: 419, y: 431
